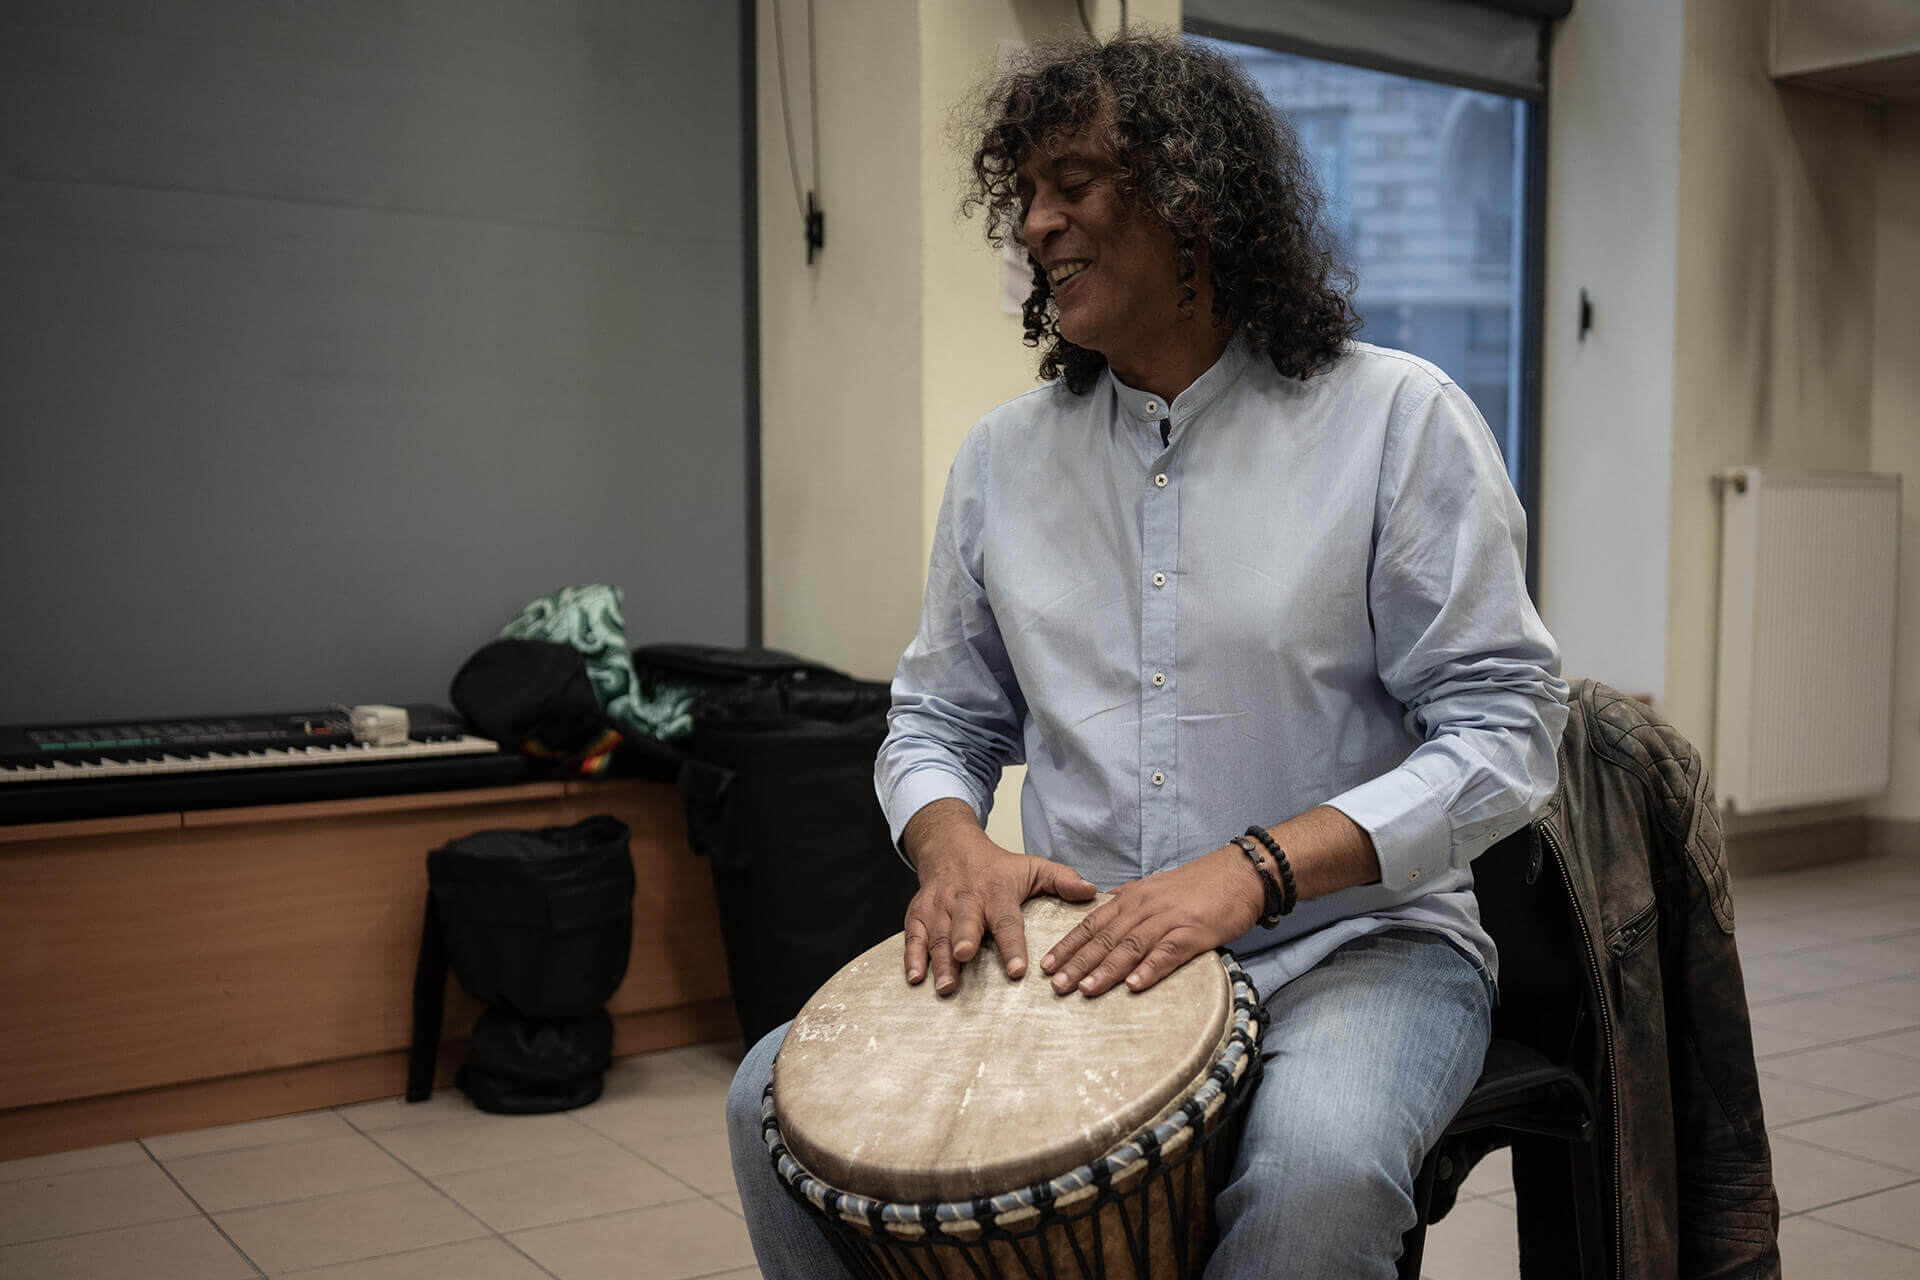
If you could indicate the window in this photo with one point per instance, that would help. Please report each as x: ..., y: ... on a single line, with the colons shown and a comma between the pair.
x: 1426, y: 190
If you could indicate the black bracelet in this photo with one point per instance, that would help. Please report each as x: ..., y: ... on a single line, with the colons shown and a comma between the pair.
x: 1271, y: 909
x: 1280, y: 861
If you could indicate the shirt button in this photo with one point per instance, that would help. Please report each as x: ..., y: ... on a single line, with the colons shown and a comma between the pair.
x: 1159, y: 778
x: 1159, y: 678
x: 1153, y: 406
x: 1159, y: 579
x: 1160, y: 481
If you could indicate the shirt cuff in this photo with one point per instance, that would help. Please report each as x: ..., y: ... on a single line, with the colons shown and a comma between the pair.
x: 1412, y: 834
x: 921, y: 788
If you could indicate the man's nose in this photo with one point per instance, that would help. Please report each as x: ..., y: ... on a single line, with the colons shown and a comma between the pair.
x: 1043, y: 217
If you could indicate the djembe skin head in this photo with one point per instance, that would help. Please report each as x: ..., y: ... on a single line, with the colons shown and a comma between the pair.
x: 893, y: 1093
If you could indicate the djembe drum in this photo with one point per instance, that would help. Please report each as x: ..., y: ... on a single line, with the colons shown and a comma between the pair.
x: 1006, y: 1131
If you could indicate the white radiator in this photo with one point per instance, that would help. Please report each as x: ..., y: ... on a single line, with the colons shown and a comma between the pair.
x: 1809, y: 565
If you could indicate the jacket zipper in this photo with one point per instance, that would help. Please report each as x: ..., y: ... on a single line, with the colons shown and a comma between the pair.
x: 1606, y: 1029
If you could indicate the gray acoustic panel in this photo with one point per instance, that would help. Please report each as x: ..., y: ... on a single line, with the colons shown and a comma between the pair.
x: 332, y: 334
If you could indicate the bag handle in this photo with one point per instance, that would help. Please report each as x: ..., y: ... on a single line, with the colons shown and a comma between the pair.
x: 429, y: 1006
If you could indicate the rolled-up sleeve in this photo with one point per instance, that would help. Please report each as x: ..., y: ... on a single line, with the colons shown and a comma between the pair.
x: 1458, y: 643
x: 957, y: 711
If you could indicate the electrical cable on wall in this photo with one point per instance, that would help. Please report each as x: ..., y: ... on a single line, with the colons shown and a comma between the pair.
x: 813, y: 217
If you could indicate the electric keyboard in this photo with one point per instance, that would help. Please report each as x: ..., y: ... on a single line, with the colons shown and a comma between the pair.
x: 109, y: 769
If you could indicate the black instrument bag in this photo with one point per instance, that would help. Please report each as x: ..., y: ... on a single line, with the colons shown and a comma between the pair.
x: 538, y: 926
x: 778, y: 782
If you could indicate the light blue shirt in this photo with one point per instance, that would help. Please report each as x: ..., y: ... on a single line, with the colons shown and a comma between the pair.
x: 1311, y: 593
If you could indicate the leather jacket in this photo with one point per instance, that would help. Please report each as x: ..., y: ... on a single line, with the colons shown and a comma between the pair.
x: 1634, y: 830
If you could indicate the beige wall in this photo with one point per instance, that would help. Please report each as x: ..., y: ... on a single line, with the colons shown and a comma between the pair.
x: 1773, y: 345
x: 840, y: 408
x: 1896, y: 422
x: 1613, y: 150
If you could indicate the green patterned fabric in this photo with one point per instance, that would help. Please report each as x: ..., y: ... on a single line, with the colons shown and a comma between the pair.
x: 589, y: 618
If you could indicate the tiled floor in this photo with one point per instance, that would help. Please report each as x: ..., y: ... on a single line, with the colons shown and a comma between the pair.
x: 637, y: 1186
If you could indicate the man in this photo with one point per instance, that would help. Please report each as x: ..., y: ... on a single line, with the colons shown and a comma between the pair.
x: 1229, y: 567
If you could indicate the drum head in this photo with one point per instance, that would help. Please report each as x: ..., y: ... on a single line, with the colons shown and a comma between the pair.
x: 892, y: 1092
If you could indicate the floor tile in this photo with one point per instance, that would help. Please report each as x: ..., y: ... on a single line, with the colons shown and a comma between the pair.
x: 1812, y: 1250
x: 1892, y: 1215
x: 1765, y: 939
x: 469, y: 1260
x: 731, y: 1203
x: 1493, y: 1173
x: 479, y: 1140
x: 94, y: 1200
x: 1857, y: 921
x: 1824, y: 1016
x: 396, y: 1113
x: 1896, y: 995
x: 1889, y: 1133
x: 254, y: 1133
x: 186, y: 1249
x: 107, y: 1157
x: 671, y: 1242
x: 650, y: 1075
x: 1807, y: 1177
x: 692, y: 1104
x: 285, y: 1171
x: 745, y: 1273
x: 1789, y: 1101
x: 1850, y: 1069
x: 1768, y: 1041
x: 345, y: 1228
x: 1800, y: 975
x: 562, y: 1189
x: 1479, y: 1240
x: 720, y: 1059
x: 701, y: 1160
x: 1890, y: 959
x: 1905, y: 1044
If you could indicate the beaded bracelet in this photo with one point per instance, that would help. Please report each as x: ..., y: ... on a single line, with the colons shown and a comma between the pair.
x: 1271, y: 910
x: 1280, y: 861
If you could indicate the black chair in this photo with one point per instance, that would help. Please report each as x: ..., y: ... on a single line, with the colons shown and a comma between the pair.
x: 1530, y: 1094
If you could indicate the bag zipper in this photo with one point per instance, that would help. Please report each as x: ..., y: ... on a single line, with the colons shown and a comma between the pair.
x: 1606, y: 1030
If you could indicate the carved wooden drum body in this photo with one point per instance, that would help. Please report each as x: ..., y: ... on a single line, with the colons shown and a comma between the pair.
x: 1009, y: 1132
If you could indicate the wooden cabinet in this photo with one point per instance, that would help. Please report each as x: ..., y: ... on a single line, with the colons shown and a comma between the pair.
x: 170, y: 971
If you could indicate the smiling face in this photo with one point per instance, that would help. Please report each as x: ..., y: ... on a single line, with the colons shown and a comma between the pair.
x: 1113, y: 273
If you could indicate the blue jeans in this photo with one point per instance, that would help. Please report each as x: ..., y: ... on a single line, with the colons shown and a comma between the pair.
x: 1369, y: 1055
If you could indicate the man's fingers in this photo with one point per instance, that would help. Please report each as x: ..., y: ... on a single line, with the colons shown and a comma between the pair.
x: 969, y: 923
x: 1087, y: 945
x: 1125, y: 955
x: 1010, y: 935
x: 916, y: 963
x: 1165, y: 956
x: 946, y: 974
x: 1063, y: 882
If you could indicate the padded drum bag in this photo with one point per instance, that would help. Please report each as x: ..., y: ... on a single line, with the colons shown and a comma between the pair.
x: 537, y: 922
x: 538, y: 925
x: 779, y: 792
x: 518, y: 1066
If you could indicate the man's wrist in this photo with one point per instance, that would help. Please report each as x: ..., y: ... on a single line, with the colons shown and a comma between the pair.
x: 935, y: 827
x: 1253, y: 884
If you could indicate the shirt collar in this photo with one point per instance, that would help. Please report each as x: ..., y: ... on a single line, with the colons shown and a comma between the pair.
x: 1146, y: 407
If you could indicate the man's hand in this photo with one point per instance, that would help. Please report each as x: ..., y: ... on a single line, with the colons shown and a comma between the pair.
x: 970, y: 886
x: 1155, y: 925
